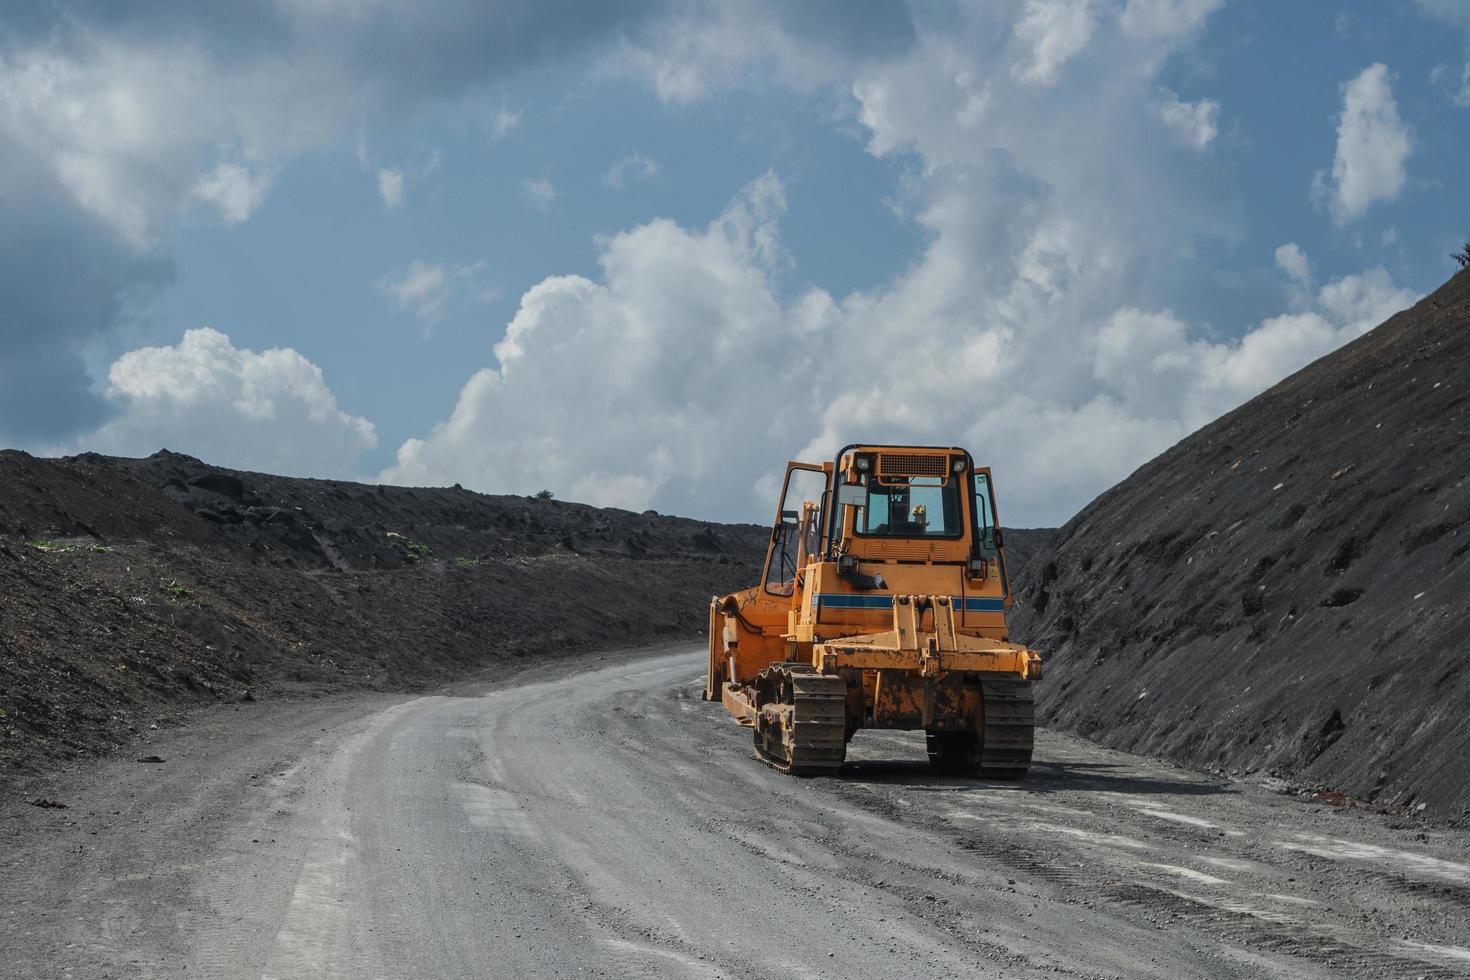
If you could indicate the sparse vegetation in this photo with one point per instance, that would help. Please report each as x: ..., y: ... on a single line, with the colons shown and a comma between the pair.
x: 60, y: 547
x: 176, y: 591
x: 544, y: 495
x: 414, y: 552
x: 1463, y: 255
x: 464, y: 561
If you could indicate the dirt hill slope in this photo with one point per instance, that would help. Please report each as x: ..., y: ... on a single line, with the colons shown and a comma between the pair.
x: 1287, y: 588
x: 132, y: 591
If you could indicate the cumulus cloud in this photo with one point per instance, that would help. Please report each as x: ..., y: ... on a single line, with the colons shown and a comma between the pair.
x: 269, y: 410
x: 390, y: 187
x: 1373, y: 146
x: 1029, y: 328
x: 539, y: 192
x: 634, y: 166
x: 1194, y: 123
x: 688, y: 330
x: 1040, y: 324
x: 621, y: 392
x: 1149, y: 364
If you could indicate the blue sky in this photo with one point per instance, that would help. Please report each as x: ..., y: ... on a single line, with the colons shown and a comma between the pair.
x: 1064, y: 232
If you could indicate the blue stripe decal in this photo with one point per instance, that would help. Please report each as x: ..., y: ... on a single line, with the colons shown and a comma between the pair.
x: 838, y: 600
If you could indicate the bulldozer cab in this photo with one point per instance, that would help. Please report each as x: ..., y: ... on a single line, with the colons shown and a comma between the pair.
x: 883, y: 504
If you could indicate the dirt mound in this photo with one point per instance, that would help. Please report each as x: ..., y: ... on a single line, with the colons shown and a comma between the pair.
x: 1285, y: 589
x: 136, y: 590
x: 1022, y: 546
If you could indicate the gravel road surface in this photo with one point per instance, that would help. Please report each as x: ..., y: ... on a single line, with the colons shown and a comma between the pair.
x: 602, y: 821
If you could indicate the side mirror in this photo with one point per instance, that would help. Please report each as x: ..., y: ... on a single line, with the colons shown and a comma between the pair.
x: 989, y: 544
x: 852, y: 495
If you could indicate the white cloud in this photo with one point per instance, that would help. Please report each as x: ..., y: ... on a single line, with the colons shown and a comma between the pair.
x: 1195, y: 123
x: 233, y: 190
x: 1454, y: 83
x: 1360, y: 302
x: 1373, y: 145
x: 1165, y: 19
x: 1037, y: 325
x: 1053, y: 32
x: 540, y: 192
x: 269, y: 411
x: 635, y: 165
x: 621, y: 392
x: 1450, y: 11
x: 687, y: 330
x: 706, y: 45
x: 427, y: 290
x: 1147, y: 363
x: 1047, y: 211
x: 421, y: 289
x: 390, y: 187
x: 122, y: 127
x: 1291, y: 260
x: 503, y: 121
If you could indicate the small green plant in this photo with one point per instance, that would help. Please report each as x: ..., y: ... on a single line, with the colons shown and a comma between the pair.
x: 544, y: 495
x: 414, y: 552
x: 1463, y: 255
x: 464, y: 561
x: 176, y: 591
x: 59, y: 547
x: 4, y: 713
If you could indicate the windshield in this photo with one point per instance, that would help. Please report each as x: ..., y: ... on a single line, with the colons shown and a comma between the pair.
x: 912, y: 507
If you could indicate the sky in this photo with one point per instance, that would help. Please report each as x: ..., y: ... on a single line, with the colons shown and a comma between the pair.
x: 640, y: 254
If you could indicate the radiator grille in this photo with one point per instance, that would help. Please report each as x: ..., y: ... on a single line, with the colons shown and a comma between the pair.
x: 912, y: 464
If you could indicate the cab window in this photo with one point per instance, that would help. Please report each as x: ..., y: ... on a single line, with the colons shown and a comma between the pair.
x: 912, y: 507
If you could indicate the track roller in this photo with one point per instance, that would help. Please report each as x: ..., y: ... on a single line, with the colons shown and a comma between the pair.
x: 1001, y: 747
x: 802, y: 719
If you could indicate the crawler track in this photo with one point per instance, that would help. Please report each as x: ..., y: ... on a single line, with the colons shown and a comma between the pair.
x: 1009, y: 728
x: 802, y: 726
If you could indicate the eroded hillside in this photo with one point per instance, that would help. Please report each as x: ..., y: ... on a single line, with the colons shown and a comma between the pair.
x: 136, y: 590
x: 1286, y: 588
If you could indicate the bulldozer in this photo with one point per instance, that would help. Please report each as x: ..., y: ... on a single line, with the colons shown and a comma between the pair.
x: 881, y: 605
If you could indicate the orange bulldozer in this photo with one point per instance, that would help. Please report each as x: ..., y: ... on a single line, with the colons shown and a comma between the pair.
x: 881, y: 605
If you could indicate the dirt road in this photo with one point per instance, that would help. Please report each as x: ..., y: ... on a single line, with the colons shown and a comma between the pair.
x: 609, y: 823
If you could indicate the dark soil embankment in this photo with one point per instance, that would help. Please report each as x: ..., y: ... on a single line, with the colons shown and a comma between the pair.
x: 1287, y: 588
x: 132, y: 591
x: 1022, y: 545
